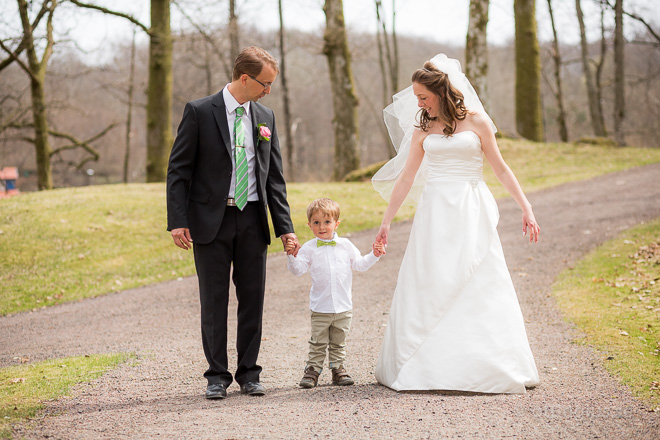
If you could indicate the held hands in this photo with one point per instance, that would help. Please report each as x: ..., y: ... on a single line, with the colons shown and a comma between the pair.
x: 529, y: 225
x: 381, y: 240
x: 182, y: 238
x: 291, y: 245
x: 379, y: 249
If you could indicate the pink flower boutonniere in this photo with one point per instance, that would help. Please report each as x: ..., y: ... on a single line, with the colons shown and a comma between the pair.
x: 264, y: 132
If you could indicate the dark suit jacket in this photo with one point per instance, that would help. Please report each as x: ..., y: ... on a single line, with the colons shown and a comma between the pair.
x: 200, y: 168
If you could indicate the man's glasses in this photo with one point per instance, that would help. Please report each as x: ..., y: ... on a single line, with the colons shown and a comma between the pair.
x: 265, y: 86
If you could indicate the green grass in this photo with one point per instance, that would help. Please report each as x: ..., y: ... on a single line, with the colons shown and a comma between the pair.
x: 74, y: 243
x: 25, y: 388
x: 613, y: 296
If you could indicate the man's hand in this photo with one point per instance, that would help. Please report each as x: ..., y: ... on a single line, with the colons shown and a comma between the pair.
x: 182, y: 238
x: 290, y: 243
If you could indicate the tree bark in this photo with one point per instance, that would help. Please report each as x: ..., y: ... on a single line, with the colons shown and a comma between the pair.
x: 389, y: 81
x: 344, y: 98
x: 288, y: 136
x: 129, y: 116
x: 529, y: 114
x: 159, y: 92
x: 559, y: 94
x: 619, y: 64
x: 476, y: 49
x: 37, y: 72
x: 597, y: 121
x: 234, y: 47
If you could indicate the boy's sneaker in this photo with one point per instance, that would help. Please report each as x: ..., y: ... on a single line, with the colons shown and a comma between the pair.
x: 341, y: 377
x: 310, y: 379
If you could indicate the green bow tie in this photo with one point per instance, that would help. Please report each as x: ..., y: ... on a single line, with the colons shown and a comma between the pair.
x: 320, y: 243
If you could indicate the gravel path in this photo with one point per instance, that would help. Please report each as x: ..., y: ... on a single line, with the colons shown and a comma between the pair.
x: 161, y: 395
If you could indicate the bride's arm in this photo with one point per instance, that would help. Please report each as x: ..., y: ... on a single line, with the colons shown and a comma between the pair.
x: 505, y: 175
x: 403, y: 184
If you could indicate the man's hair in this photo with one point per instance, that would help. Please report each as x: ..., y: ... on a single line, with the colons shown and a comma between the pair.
x: 329, y: 208
x: 251, y: 62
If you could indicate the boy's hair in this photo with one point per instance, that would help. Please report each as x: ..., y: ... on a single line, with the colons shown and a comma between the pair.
x: 328, y: 207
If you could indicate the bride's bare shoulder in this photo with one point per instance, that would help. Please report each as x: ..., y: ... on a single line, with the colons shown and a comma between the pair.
x: 419, y: 135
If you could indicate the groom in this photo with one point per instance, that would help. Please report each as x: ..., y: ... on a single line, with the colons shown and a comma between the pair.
x: 225, y: 170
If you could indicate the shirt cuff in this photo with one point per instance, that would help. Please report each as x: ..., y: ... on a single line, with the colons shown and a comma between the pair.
x: 371, y: 257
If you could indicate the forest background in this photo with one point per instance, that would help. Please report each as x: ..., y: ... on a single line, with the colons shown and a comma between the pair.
x: 90, y: 91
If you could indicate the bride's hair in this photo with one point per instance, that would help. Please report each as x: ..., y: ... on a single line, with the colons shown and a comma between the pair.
x: 452, y: 106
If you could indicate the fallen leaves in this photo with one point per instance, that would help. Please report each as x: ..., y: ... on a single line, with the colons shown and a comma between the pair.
x: 17, y: 380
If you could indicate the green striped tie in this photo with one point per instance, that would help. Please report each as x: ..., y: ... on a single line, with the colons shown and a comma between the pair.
x: 241, y: 191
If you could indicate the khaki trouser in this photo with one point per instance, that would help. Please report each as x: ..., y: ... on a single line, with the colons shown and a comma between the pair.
x: 329, y: 330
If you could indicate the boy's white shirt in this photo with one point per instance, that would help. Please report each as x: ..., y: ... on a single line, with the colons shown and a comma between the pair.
x: 330, y: 268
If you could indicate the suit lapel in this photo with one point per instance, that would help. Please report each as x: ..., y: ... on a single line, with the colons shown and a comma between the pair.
x: 220, y: 114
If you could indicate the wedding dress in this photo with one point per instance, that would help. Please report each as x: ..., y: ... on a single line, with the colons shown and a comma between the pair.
x: 455, y: 322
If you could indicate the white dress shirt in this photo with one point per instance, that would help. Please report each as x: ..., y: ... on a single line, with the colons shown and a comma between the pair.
x: 330, y: 268
x: 230, y: 105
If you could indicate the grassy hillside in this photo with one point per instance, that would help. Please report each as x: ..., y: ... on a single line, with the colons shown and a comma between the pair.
x: 74, y: 243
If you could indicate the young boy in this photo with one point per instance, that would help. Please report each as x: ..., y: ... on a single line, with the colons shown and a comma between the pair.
x: 329, y: 259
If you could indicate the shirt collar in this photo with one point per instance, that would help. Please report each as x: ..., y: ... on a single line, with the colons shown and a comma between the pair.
x: 231, y: 103
x: 334, y: 237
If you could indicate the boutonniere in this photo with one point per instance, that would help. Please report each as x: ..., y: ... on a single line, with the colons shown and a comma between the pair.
x: 264, y: 132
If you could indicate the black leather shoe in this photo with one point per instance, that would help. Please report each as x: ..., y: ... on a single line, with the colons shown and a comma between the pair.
x: 216, y: 391
x: 253, y: 389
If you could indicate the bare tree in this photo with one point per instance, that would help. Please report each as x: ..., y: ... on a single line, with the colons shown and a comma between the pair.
x: 344, y: 98
x: 159, y: 91
x: 388, y: 60
x: 559, y: 94
x: 619, y: 84
x: 214, y: 41
x: 234, y: 47
x: 595, y: 110
x: 529, y: 114
x: 36, y: 70
x: 476, y: 49
x: 288, y: 141
x: 129, y: 115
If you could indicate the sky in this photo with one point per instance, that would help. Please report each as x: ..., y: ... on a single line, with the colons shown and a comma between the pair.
x: 444, y: 21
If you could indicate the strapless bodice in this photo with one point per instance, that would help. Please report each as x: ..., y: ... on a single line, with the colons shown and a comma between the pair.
x: 456, y: 157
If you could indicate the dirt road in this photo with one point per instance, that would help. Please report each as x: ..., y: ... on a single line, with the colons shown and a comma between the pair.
x: 161, y: 395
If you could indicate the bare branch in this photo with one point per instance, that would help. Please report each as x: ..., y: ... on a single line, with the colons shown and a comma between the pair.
x: 638, y: 18
x: 209, y: 39
x: 14, y: 57
x: 76, y: 143
x: 23, y: 44
x: 130, y: 18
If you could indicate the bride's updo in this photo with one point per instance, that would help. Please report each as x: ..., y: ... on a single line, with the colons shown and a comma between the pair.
x: 452, y: 107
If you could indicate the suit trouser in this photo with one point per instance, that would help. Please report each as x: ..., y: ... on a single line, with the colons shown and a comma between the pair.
x: 240, y: 240
x: 329, y: 331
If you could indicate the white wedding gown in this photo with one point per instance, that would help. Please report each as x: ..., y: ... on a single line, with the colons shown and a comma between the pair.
x: 455, y: 322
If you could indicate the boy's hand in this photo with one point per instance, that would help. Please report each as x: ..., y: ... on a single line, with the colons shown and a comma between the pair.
x: 379, y: 249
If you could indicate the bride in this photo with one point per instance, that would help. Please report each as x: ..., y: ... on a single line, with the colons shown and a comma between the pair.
x: 455, y: 322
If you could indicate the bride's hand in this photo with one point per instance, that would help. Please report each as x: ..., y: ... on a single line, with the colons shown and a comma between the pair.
x: 383, y: 232
x: 530, y: 226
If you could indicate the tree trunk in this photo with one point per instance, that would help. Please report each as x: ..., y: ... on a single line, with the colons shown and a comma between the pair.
x: 344, y: 98
x: 288, y: 136
x: 559, y: 94
x: 129, y: 116
x: 597, y: 122
x: 619, y: 63
x: 476, y: 49
x: 388, y: 91
x: 159, y: 94
x: 529, y: 114
x: 37, y: 71
x: 234, y: 47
